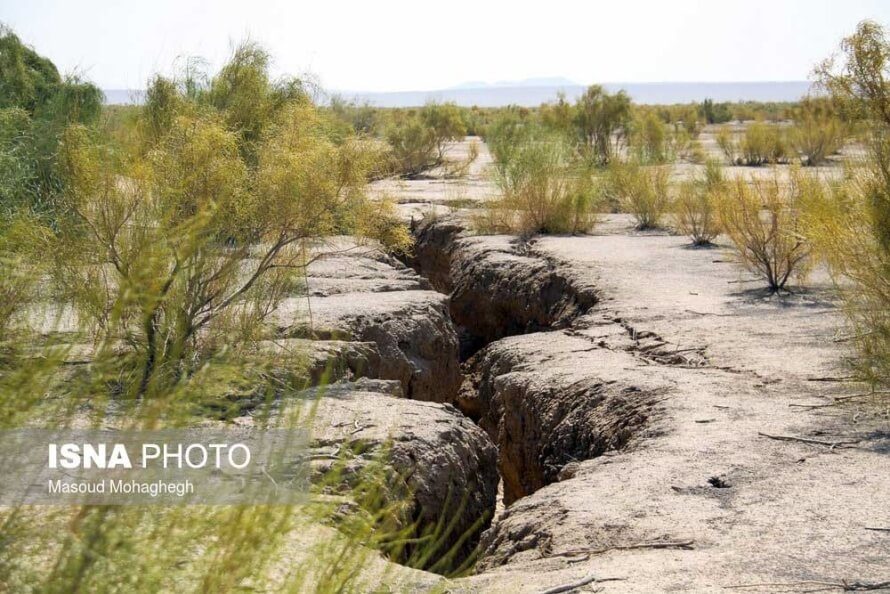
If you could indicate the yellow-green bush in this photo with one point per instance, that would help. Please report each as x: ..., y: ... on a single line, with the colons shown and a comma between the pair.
x: 650, y: 140
x: 817, y: 132
x: 170, y: 251
x: 544, y: 190
x: 640, y: 191
x: 762, y: 217
x: 763, y: 143
x: 696, y: 205
x: 850, y: 223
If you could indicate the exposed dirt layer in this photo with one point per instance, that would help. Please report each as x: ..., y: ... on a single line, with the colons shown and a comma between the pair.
x: 358, y: 294
x: 374, y: 326
x: 447, y: 463
x: 496, y: 287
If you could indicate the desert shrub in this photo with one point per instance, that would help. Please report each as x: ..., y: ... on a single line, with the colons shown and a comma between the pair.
x: 505, y: 135
x: 602, y: 122
x: 851, y: 223
x: 162, y: 102
x: 715, y: 113
x: 362, y: 118
x: 544, y: 190
x: 28, y: 79
x: 640, y: 191
x: 418, y: 139
x: 761, y: 144
x: 845, y: 222
x: 446, y: 122
x: 649, y: 139
x: 763, y: 219
x: 727, y: 143
x: 37, y: 104
x: 817, y: 133
x: 682, y: 146
x: 688, y: 119
x: 696, y: 205
x: 558, y: 117
x: 414, y: 147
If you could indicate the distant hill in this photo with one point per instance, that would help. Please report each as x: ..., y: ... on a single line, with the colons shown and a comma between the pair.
x: 530, y: 95
x: 533, y: 92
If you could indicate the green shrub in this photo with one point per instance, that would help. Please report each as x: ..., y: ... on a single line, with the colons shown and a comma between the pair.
x: 506, y: 134
x: 760, y: 144
x: 170, y: 257
x: 763, y: 219
x: 414, y: 147
x: 38, y: 104
x: 543, y: 190
x: 696, y: 205
x: 850, y: 224
x: 446, y: 122
x: 640, y: 191
x: 649, y: 139
x: 602, y: 122
x: 727, y: 143
x: 715, y: 113
x: 817, y: 133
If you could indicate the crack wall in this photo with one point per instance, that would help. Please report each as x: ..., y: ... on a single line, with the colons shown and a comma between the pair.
x: 541, y: 418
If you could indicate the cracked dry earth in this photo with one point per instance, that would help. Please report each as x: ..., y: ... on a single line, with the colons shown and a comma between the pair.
x: 620, y: 387
x: 704, y: 364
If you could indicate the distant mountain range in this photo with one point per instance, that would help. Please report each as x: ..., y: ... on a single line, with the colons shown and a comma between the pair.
x: 534, y: 91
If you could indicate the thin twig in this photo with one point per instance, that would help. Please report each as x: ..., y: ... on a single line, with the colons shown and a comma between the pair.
x: 582, y: 582
x: 845, y: 586
x: 665, y: 544
x: 829, y: 378
x: 830, y: 444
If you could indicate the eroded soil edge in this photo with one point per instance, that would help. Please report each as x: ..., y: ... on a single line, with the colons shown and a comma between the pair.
x: 531, y: 370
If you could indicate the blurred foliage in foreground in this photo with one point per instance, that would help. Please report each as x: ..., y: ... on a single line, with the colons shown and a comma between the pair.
x: 136, y: 287
x: 850, y: 222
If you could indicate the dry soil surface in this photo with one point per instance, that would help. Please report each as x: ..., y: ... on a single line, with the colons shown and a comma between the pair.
x: 731, y: 367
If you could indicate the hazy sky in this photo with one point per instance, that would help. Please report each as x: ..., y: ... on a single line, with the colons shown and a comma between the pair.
x: 383, y: 45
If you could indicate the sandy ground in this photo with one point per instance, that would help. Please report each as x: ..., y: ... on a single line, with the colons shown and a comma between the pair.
x: 791, y: 512
x: 435, y: 192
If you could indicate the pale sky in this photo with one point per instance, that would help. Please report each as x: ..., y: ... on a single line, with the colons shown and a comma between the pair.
x: 368, y: 45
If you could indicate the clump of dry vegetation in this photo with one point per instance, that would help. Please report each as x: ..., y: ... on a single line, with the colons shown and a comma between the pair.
x: 650, y: 139
x: 641, y: 191
x: 762, y: 217
x: 696, y: 205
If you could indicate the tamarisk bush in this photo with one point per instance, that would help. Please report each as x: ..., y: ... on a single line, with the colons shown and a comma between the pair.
x: 762, y: 217
x: 640, y: 191
x: 170, y: 252
x: 817, y: 133
x: 850, y: 224
x: 696, y: 205
x: 544, y: 189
